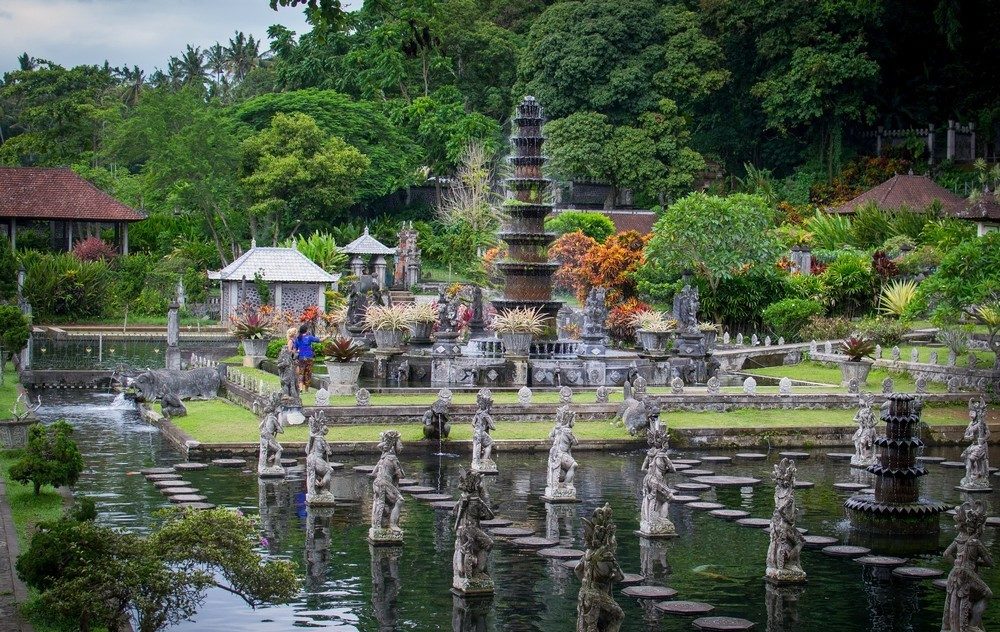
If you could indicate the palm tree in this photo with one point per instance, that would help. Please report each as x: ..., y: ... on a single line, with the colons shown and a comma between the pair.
x: 243, y: 55
x: 26, y: 61
x: 216, y: 58
x: 136, y: 81
x: 191, y: 67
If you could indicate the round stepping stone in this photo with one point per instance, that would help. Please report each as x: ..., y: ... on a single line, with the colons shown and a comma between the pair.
x: 419, y: 489
x: 868, y: 490
x: 686, y: 461
x: 511, y: 532
x: 728, y: 481
x: 631, y: 579
x: 916, y: 572
x: 442, y: 504
x: 560, y: 553
x: 495, y: 522
x: 930, y: 459
x: 750, y: 456
x: 704, y: 506
x: 364, y: 469
x: 887, y: 561
x: 174, y: 483
x: 684, y: 608
x: 729, y: 514
x: 163, y: 477
x: 993, y: 521
x: 433, y: 498
x: 714, y: 459
x: 698, y: 473
x: 840, y: 456
x: 767, y: 529
x: 229, y: 462
x: 188, y: 498
x: 680, y: 467
x: 720, y: 624
x: 185, y: 467
x: 196, y: 505
x: 173, y: 491
x: 794, y: 455
x: 681, y: 498
x: 692, y: 487
x: 804, y: 485
x: 953, y: 464
x: 844, y: 550
x: 334, y: 465
x: 754, y: 523
x: 408, y: 482
x: 940, y: 584
x: 649, y: 592
x: 819, y: 541
x: 534, y: 542
x: 289, y: 462
x: 571, y: 564
x: 156, y: 470
x: 849, y: 487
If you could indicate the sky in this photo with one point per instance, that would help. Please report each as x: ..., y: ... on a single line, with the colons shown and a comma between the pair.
x: 131, y: 32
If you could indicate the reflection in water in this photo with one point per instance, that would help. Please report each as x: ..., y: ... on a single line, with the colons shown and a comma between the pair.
x: 318, y: 532
x: 653, y: 562
x: 892, y: 605
x: 274, y: 504
x: 468, y: 614
x: 782, y: 607
x: 560, y: 521
x: 385, y: 584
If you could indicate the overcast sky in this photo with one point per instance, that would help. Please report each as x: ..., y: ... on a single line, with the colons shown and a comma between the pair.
x: 133, y: 32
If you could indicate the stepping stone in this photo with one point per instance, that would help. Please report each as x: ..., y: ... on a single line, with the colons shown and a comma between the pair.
x: 681, y: 498
x: 229, y: 462
x: 804, y: 485
x: 173, y: 491
x: 684, y: 608
x: 698, y: 473
x: 818, y: 541
x: 767, y: 529
x: 940, y: 584
x: 419, y: 489
x: 177, y: 483
x: 868, y: 490
x: 443, y: 505
x: 434, y: 498
x: 163, y: 477
x: 916, y: 572
x: 798, y: 456
x: 495, y: 522
x: 754, y: 523
x: 334, y: 465
x: 188, y: 498
x: 511, y: 532
x: 289, y: 462
x: 930, y: 459
x: 183, y: 467
x: 954, y: 464
x: 714, y: 459
x: 156, y: 470
x: 534, y: 542
x: 729, y: 514
x: 692, y: 487
x: 704, y: 506
x: 840, y: 456
x: 686, y: 461
x: 880, y: 560
x: 750, y: 456
x: 722, y: 623
x: 849, y: 487
x: 364, y: 469
x: 560, y: 553
x: 571, y: 564
x: 728, y: 481
x: 993, y: 521
x: 844, y: 550
x: 408, y: 482
x: 631, y: 579
x: 680, y: 467
x: 196, y: 505
x: 649, y: 592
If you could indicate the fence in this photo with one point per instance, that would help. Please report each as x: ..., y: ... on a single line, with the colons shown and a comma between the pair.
x: 955, y: 142
x: 107, y: 351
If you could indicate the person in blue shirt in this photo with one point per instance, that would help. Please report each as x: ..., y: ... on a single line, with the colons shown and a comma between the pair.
x: 302, y: 347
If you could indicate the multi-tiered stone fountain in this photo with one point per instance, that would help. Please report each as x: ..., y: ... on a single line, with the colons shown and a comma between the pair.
x: 896, y: 508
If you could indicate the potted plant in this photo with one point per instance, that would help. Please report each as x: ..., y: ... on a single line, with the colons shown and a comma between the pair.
x: 654, y: 331
x: 422, y: 317
x: 389, y: 324
x: 253, y: 328
x: 711, y: 333
x: 858, y: 350
x: 516, y: 327
x: 342, y: 365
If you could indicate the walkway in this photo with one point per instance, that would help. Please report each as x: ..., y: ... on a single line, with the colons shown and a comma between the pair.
x: 12, y: 590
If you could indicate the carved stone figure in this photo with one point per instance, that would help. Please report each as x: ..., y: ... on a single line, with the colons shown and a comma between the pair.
x: 739, y: 339
x: 714, y: 387
x: 448, y: 320
x: 387, y: 500
x: 363, y: 397
x: 853, y: 386
x: 565, y: 395
x: 887, y: 386
x: 783, y: 566
x: 813, y: 349
x: 978, y: 426
x: 785, y: 386
x: 598, y: 571
x: 677, y: 386
x: 750, y: 386
x: 656, y: 495
x: 767, y: 341
x: 864, y: 436
x: 269, y: 456
x: 482, y: 442
x: 470, y: 562
x: 967, y: 594
x: 403, y: 372
x: 562, y: 466
x: 639, y: 412
x: 725, y: 338
x: 952, y: 358
x: 921, y: 385
x: 595, y: 314
x: 477, y: 324
x: 914, y: 355
x: 827, y: 347
x: 953, y: 385
x: 781, y: 340
x: 878, y: 352
x: 288, y: 377
x: 977, y: 467
x: 686, y: 305
x: 603, y: 394
x: 322, y: 397
x: 319, y: 474
x: 171, y: 406
x: 896, y: 354
x: 524, y: 396
x: 365, y: 291
x: 639, y: 387
x: 932, y: 358
x: 754, y: 340
x: 436, y: 423
x: 200, y: 383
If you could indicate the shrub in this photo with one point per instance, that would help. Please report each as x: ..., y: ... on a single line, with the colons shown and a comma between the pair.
x: 14, y: 333
x: 955, y: 338
x: 519, y: 320
x: 857, y: 348
x: 597, y: 226
x: 621, y: 320
x: 740, y: 300
x: 94, y: 249
x: 274, y: 347
x: 922, y: 260
x: 808, y: 286
x: 61, y: 287
x: 883, y: 331
x: 787, y: 316
x: 829, y: 231
x: 252, y: 324
x: 896, y: 298
x: 849, y: 283
x: 50, y: 458
x: 947, y: 233
x: 894, y: 246
x: 883, y: 266
x: 968, y: 275
x: 824, y: 328
x: 569, y: 251
x: 612, y: 265
x: 872, y: 226
x: 8, y: 271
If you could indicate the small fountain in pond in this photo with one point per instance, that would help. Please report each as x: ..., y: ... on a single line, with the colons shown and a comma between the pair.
x: 120, y: 401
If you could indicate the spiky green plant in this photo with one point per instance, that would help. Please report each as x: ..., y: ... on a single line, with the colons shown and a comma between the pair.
x: 389, y: 318
x: 829, y: 231
x: 519, y: 320
x: 896, y: 297
x: 321, y: 248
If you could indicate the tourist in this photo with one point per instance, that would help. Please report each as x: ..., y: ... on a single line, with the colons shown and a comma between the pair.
x: 302, y: 346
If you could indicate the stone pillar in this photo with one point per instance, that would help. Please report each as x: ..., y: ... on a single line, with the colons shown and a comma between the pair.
x: 930, y: 143
x: 878, y: 141
x: 173, y: 336
x: 276, y: 295
x: 357, y: 265
x: 520, y: 370
x: 805, y: 260
x: 379, y: 271
x: 950, y: 142
x: 972, y: 141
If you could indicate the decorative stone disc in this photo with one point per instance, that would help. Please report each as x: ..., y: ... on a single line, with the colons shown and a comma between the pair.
x: 560, y: 553
x: 190, y: 466
x: 798, y: 456
x: 173, y: 491
x: 156, y: 470
x: 704, y: 506
x: 692, y: 487
x: 953, y: 464
x: 804, y: 485
x: 364, y: 469
x: 681, y: 467
x: 534, y: 542
x: 172, y: 483
x: 940, y: 584
x: 750, y: 456
x: 993, y: 521
x: 916, y: 572
x: 163, y: 477
x: 849, y: 487
x: 681, y: 498
x: 188, y: 498
x: 714, y: 459
x: 571, y: 564
x: 817, y: 541
x: 686, y: 608
x: 840, y: 456
x: 686, y: 461
x: 649, y: 592
x: 196, y: 505
x: 754, y: 523
x: 511, y: 532
x: 495, y: 522
x: 930, y: 459
x: 408, y: 482
x: 443, y: 505
x: 229, y: 462
x: 419, y: 489
x: 880, y: 560
x: 694, y: 472
x: 722, y: 623
x: 631, y: 579
x: 844, y: 550
x: 289, y: 462
x: 433, y: 498
x: 728, y: 481
x: 729, y: 514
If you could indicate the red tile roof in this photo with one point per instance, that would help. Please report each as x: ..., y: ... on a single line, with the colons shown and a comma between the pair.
x: 57, y: 193
x: 914, y: 192
x: 987, y: 207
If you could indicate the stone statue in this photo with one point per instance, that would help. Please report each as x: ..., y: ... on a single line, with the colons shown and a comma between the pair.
x: 403, y: 372
x: 785, y: 386
x: 639, y: 411
x: 739, y: 339
x: 864, y: 436
x: 750, y: 386
x: 319, y: 474
x: 200, y: 383
x: 915, y: 355
x: 603, y: 394
x: 171, y: 406
x: 978, y: 427
x: 932, y: 358
x: 686, y: 305
x: 524, y: 396
x: 754, y: 340
x: 783, y: 566
x: 482, y: 442
x: 595, y: 314
x: 781, y: 340
x: 565, y: 395
x: 562, y: 467
x: 387, y: 500
x: 714, y: 386
x: 953, y: 385
x: 967, y: 594
x: 952, y: 358
x: 878, y: 352
x: 725, y: 338
x: 322, y: 397
x: 365, y: 291
x: 470, y: 562
x: 288, y: 377
x: 895, y: 354
x: 269, y: 456
x: 827, y: 347
x: 598, y: 571
x: 436, y: 424
x: 853, y: 386
x: 677, y: 386
x: 363, y: 397
x: 921, y: 385
x: 813, y: 349
x: 976, y: 456
x: 448, y: 320
x: 767, y: 341
x: 656, y: 495
x: 477, y: 324
x: 887, y: 386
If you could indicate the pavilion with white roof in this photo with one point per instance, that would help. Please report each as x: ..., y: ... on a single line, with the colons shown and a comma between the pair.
x: 368, y: 246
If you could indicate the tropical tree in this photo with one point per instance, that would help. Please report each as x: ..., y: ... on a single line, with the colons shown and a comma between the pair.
x: 190, y: 68
x: 242, y: 55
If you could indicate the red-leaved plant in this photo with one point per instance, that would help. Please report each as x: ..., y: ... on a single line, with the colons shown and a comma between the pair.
x: 94, y: 249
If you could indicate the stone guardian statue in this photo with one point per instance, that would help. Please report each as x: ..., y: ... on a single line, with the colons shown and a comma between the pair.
x: 387, y: 500
x: 864, y: 436
x: 269, y: 456
x: 319, y: 474
x: 598, y: 571
x: 562, y: 466
x: 783, y: 565
x: 967, y: 594
x: 470, y: 562
x: 656, y: 495
x: 482, y: 442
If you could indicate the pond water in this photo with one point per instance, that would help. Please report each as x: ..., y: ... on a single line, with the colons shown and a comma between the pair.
x: 347, y: 586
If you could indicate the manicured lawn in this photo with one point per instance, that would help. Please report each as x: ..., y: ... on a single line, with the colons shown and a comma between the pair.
x: 816, y: 372
x: 26, y: 508
x: 8, y: 392
x: 985, y: 359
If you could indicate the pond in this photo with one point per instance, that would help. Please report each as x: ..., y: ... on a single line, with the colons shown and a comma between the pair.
x: 347, y: 586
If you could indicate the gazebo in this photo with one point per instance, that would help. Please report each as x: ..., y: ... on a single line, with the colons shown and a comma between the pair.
x: 376, y: 251
x: 293, y: 281
x: 906, y: 191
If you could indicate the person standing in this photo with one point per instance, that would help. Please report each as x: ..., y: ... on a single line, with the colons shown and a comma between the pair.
x: 302, y: 346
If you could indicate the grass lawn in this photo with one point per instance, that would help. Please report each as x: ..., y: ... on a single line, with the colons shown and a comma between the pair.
x: 816, y: 372
x: 26, y: 508
x: 8, y: 392
x: 985, y: 359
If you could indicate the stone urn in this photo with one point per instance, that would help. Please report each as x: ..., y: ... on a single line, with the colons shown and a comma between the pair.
x: 655, y: 341
x: 343, y: 377
x: 420, y: 331
x: 855, y: 371
x: 711, y: 337
x: 389, y: 338
x: 516, y: 343
x: 14, y: 433
x: 255, y: 347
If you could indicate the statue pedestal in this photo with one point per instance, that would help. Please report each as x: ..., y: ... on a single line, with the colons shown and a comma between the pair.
x: 252, y: 362
x: 781, y: 576
x: 274, y: 471
x: 519, y: 372
x: 475, y: 586
x: 485, y: 466
x: 383, y: 358
x: 385, y: 537
x: 660, y: 528
x: 445, y: 368
x: 561, y: 493
x: 326, y: 499
x: 974, y: 489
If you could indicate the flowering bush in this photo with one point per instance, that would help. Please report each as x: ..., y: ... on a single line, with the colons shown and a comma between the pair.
x: 569, y: 250
x: 621, y: 319
x: 94, y: 249
x: 309, y: 315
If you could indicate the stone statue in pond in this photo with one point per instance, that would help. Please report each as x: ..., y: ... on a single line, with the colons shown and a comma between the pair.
x: 269, y: 456
x: 562, y: 466
x: 482, y: 442
x: 967, y: 594
x: 319, y: 474
x: 387, y: 500
x: 470, y: 562
x: 783, y: 565
x: 288, y: 377
x: 200, y: 383
x: 656, y: 495
x: 864, y: 436
x: 436, y: 423
x: 976, y: 456
x: 598, y: 571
